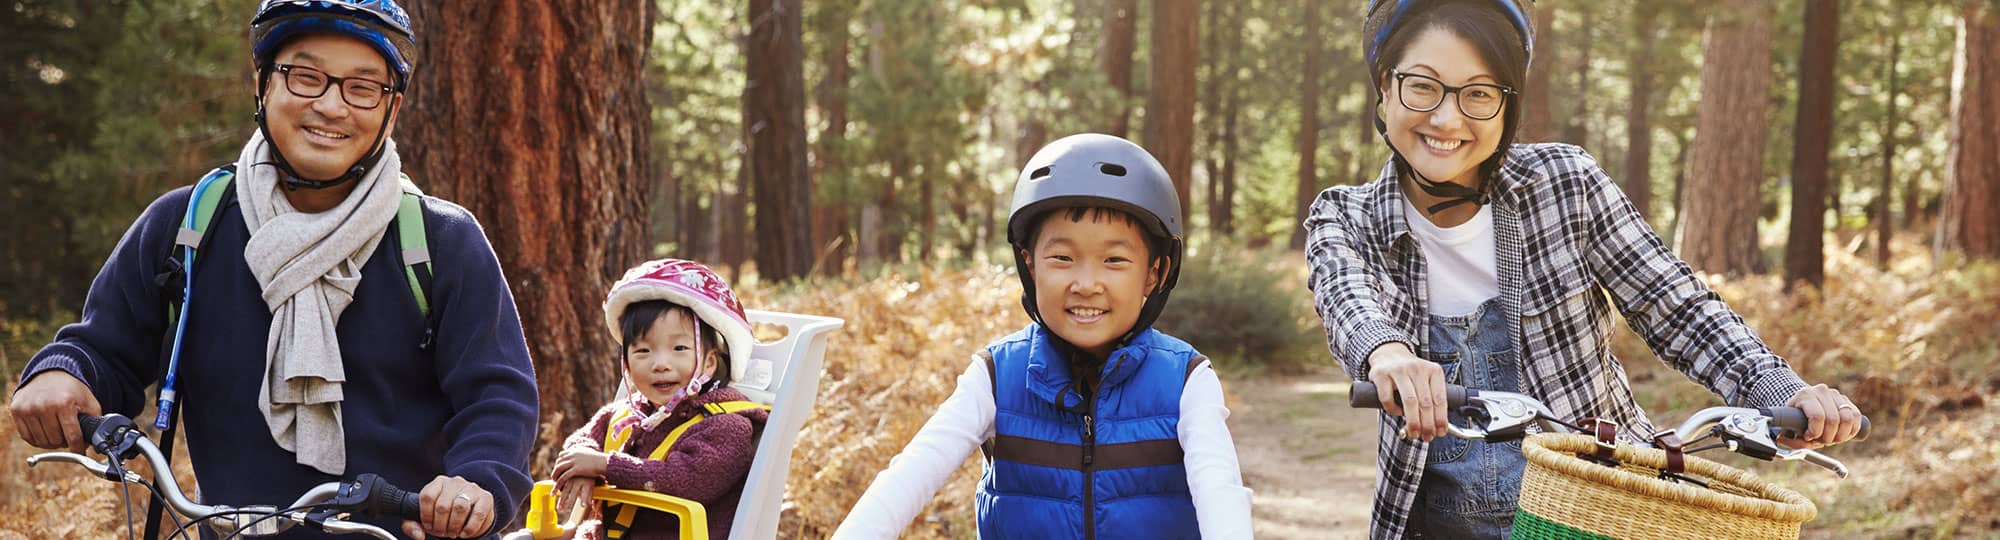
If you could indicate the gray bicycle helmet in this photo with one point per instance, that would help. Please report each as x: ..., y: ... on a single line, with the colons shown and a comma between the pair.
x: 1096, y: 170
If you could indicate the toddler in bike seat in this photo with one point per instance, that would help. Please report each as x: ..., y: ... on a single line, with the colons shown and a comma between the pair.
x: 676, y: 426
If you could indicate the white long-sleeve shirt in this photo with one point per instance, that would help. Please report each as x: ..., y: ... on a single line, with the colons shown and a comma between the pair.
x: 965, y: 420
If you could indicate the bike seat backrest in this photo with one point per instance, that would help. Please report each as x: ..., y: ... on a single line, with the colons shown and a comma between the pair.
x: 784, y: 374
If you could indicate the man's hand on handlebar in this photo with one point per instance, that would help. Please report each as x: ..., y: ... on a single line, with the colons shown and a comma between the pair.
x: 45, y: 411
x: 453, y: 507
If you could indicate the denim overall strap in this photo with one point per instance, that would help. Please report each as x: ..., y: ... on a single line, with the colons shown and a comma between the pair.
x: 1470, y: 488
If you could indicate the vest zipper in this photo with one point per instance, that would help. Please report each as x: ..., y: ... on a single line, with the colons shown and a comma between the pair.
x: 1089, y: 451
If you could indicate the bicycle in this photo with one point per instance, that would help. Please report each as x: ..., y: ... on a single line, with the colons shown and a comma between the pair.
x: 1581, y: 481
x: 325, y: 507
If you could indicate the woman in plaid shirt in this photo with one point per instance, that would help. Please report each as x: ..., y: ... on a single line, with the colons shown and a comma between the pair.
x: 1471, y: 260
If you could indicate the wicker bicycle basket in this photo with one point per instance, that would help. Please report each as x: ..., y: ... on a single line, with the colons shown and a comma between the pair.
x: 1566, y: 496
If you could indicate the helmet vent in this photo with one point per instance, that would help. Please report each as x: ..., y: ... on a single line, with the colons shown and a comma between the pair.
x: 1039, y: 173
x: 1112, y: 169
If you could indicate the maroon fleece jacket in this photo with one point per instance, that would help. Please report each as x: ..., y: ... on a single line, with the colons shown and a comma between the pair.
x: 707, y: 465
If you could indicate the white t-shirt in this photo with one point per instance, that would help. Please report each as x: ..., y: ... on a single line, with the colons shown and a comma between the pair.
x: 1221, y: 503
x: 1462, y: 269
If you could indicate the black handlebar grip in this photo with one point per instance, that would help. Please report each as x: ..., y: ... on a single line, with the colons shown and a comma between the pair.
x: 88, y: 423
x: 1791, y: 422
x: 1362, y: 395
x: 385, y: 499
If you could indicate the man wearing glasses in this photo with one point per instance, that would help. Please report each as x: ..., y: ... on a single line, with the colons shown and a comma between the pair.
x: 302, y: 353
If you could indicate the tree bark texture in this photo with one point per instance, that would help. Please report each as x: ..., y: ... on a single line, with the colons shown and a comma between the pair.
x: 1170, y: 98
x: 1813, y: 142
x: 1638, y: 119
x: 553, y: 160
x: 1970, y: 218
x: 774, y: 137
x: 1121, y: 25
x: 1726, y: 164
x: 1308, y: 142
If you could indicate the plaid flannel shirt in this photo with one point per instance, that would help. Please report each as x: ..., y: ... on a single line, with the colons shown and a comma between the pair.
x: 1565, y: 235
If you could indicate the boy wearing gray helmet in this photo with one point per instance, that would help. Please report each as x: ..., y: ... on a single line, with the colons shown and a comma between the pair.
x: 1092, y: 423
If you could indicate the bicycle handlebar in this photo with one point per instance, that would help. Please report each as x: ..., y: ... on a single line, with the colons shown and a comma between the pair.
x: 1362, y: 395
x: 367, y: 494
x: 1791, y: 421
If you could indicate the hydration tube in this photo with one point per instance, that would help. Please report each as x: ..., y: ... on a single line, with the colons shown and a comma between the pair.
x: 167, y: 398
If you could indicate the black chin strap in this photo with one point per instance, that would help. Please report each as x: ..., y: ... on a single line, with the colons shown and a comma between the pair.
x: 1453, y: 193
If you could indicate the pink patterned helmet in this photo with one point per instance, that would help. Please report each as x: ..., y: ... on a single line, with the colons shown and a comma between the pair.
x: 685, y: 283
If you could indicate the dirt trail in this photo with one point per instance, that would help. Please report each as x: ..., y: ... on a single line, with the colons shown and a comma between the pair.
x: 1310, y: 459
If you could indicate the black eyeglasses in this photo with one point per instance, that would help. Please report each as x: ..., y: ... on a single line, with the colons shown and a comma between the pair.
x: 1420, y: 93
x: 311, y: 83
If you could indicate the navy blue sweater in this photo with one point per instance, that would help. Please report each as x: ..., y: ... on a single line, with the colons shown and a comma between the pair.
x: 466, y: 408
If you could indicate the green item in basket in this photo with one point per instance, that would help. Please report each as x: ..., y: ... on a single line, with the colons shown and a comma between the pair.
x: 1528, y: 526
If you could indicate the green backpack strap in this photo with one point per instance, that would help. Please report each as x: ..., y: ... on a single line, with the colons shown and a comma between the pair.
x: 205, y: 207
x: 203, y: 210
x: 415, y: 250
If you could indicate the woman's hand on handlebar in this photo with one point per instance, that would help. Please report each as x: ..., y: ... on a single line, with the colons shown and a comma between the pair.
x: 1395, y: 370
x: 1831, y: 418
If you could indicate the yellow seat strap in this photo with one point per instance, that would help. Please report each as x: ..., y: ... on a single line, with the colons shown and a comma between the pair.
x: 627, y: 512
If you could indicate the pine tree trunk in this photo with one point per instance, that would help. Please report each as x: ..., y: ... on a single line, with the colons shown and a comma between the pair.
x: 1121, y: 24
x: 1308, y: 143
x: 928, y: 194
x: 1364, y: 129
x: 1229, y: 159
x: 1970, y: 219
x: 688, y: 218
x: 1884, y: 224
x: 1814, y: 140
x: 1578, y: 132
x: 1211, y: 108
x: 774, y: 137
x: 1535, y: 99
x: 1681, y: 143
x: 732, y: 238
x: 1638, y: 118
x: 1232, y: 103
x: 1726, y: 164
x: 1170, y: 95
x: 830, y: 228
x: 559, y: 177
x: 890, y: 230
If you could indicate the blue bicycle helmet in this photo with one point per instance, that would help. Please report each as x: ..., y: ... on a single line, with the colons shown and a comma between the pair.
x: 380, y: 23
x: 1383, y: 16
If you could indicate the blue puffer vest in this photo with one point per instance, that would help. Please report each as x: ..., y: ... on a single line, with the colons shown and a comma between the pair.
x: 1064, y: 465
